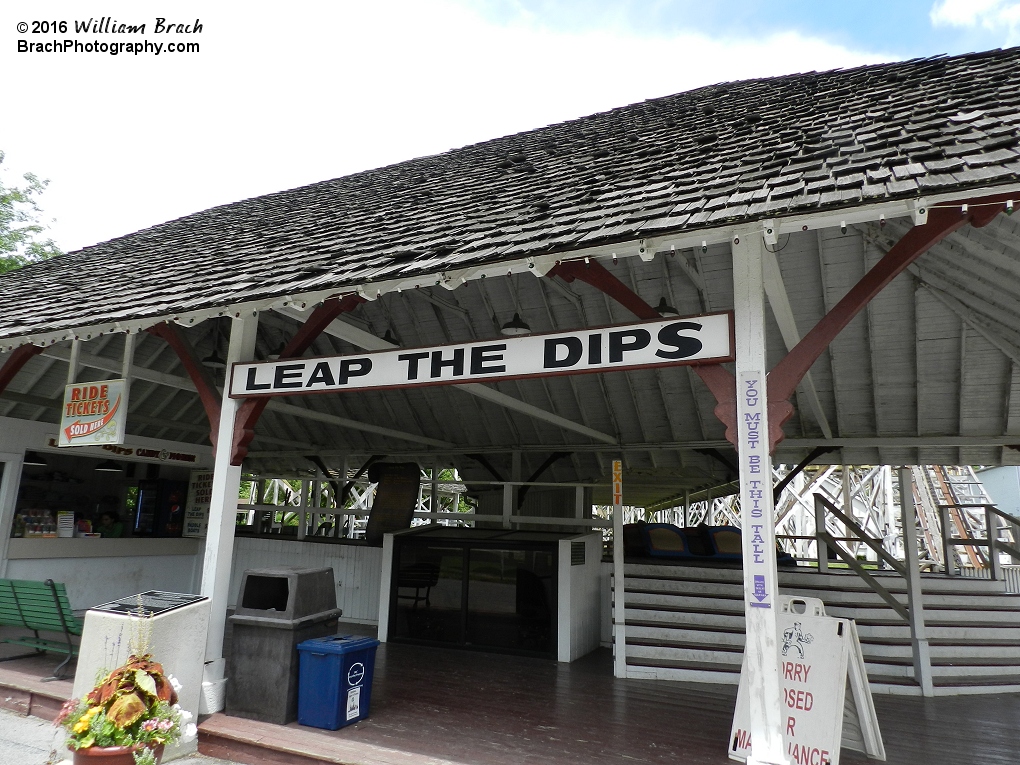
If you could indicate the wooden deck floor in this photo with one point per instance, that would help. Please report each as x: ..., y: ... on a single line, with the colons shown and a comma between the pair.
x: 441, y: 706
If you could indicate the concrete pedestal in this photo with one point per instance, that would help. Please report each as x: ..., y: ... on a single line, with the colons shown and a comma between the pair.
x: 177, y: 641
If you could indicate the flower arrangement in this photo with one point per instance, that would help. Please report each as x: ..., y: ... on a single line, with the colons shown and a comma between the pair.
x: 134, y: 706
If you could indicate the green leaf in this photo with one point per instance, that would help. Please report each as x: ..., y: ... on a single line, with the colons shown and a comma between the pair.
x: 145, y: 683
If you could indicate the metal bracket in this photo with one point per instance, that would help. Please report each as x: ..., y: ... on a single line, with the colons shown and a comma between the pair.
x: 919, y: 211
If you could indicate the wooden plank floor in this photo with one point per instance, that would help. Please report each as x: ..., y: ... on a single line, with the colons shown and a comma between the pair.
x: 433, y: 706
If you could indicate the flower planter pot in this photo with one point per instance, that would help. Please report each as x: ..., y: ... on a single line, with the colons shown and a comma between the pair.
x: 111, y: 755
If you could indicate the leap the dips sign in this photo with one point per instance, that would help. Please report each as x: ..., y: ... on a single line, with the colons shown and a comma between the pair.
x: 634, y: 346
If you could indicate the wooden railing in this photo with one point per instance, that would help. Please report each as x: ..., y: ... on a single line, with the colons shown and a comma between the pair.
x: 827, y: 542
x: 991, y: 539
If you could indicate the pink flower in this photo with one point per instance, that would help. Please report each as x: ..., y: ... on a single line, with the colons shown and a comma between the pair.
x: 165, y: 725
x: 69, y: 706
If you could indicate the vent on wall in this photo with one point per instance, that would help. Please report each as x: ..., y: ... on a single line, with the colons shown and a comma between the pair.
x: 577, y: 553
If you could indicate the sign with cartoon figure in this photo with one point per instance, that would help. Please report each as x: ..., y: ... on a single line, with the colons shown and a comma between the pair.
x: 813, y: 665
x: 93, y: 413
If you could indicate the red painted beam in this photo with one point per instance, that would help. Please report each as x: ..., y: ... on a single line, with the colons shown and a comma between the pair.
x: 942, y: 221
x: 197, y: 371
x: 597, y: 276
x: 716, y: 377
x: 250, y: 411
x: 18, y: 358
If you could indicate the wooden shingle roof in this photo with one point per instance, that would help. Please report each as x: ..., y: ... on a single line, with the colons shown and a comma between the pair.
x: 696, y: 160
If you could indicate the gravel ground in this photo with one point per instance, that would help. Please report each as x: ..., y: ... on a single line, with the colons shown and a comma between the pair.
x: 30, y: 740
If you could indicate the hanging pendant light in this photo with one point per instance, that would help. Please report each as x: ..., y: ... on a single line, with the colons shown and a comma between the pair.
x: 515, y: 327
x: 665, y: 308
x: 214, y: 360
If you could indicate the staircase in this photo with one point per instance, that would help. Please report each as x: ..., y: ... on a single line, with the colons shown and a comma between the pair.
x: 687, y: 623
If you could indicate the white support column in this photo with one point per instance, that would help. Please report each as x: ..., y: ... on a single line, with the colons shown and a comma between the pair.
x: 10, y: 481
x: 434, y: 506
x: 129, y: 357
x: 219, y: 544
x: 915, y: 603
x: 761, y: 652
x: 619, y: 584
x: 72, y: 362
x: 302, y: 528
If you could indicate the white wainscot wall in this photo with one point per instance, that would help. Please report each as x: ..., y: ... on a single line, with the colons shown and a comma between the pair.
x: 356, y: 568
x: 100, y: 570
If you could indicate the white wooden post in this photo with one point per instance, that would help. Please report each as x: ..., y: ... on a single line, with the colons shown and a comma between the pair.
x: 129, y: 358
x: 219, y: 544
x: 72, y: 362
x: 761, y: 651
x: 302, y: 527
x: 619, y: 586
x: 434, y: 505
x: 10, y: 480
x: 915, y: 602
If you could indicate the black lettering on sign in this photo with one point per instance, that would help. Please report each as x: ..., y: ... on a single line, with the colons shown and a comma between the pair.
x: 412, y: 360
x: 353, y: 368
x: 288, y: 376
x: 483, y: 356
x: 573, y: 346
x: 684, y: 346
x: 250, y: 383
x: 627, y: 340
x: 594, y: 349
x: 456, y: 364
x: 321, y: 374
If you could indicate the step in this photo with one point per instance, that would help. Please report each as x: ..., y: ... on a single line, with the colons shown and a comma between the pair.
x: 864, y: 615
x: 707, y: 603
x: 688, y: 617
x: 685, y: 587
x: 691, y: 633
x: 690, y: 672
x: 662, y: 653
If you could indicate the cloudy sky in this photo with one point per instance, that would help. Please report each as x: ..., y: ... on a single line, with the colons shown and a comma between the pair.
x: 284, y: 94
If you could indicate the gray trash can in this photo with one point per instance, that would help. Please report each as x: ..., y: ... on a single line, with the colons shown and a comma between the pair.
x: 277, y: 608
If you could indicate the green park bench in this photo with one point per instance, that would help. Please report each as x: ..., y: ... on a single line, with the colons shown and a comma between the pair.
x: 39, y: 607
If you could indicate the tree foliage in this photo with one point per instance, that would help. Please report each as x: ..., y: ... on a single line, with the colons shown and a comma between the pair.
x: 21, y: 232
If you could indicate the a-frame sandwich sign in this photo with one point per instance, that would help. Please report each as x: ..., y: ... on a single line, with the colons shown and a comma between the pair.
x: 820, y: 660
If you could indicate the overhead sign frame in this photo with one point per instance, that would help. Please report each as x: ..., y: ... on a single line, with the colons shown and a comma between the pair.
x: 702, y: 339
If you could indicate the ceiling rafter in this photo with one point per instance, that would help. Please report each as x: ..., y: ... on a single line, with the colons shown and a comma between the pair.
x: 782, y: 310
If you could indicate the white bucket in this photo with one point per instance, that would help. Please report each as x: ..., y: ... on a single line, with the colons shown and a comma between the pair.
x: 213, y: 697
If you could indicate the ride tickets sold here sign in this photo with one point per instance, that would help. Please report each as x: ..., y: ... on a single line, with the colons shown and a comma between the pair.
x: 93, y: 413
x: 691, y: 340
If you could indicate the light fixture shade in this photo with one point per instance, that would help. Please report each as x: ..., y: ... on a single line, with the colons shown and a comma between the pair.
x: 214, y: 360
x: 516, y: 326
x: 34, y: 458
x: 109, y: 466
x: 665, y: 308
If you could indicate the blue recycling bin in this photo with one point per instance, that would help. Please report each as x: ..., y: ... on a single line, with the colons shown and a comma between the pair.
x: 335, y: 680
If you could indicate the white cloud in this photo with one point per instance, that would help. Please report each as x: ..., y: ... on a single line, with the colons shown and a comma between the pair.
x: 997, y: 16
x: 284, y: 95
